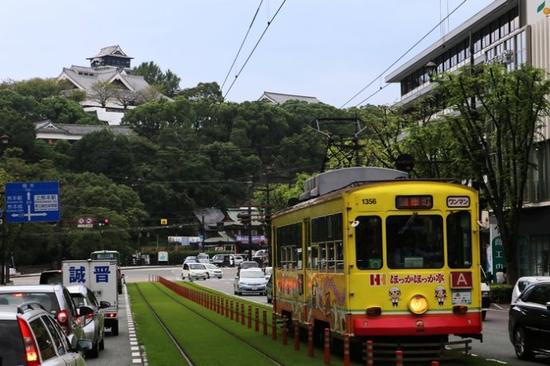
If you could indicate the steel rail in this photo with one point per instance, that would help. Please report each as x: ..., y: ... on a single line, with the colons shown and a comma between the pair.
x: 266, y: 355
x: 169, y: 333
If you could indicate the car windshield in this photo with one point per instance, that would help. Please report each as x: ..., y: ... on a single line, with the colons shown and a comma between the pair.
x: 252, y: 274
x: 196, y: 266
x: 210, y: 266
x: 190, y: 259
x: 46, y: 299
x: 522, y: 285
x: 12, y: 349
x: 50, y: 278
x: 79, y: 300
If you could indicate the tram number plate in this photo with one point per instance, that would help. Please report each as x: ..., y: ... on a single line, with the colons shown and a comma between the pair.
x: 462, y: 297
x: 455, y: 201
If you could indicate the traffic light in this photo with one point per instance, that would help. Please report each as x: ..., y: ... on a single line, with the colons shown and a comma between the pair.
x: 244, y: 218
x: 103, y: 222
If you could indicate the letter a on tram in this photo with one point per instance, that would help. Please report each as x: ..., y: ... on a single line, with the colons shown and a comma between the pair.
x: 461, y: 279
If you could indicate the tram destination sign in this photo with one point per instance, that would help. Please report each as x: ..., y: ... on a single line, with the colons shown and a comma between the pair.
x: 32, y: 202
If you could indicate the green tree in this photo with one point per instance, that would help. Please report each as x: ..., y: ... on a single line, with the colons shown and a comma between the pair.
x: 167, y: 82
x: 64, y: 110
x: 204, y: 92
x: 499, y: 116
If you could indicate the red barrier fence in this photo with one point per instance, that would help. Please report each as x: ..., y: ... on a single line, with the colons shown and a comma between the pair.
x: 326, y: 346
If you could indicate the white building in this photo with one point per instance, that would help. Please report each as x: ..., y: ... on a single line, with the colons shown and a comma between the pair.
x: 109, y: 67
x: 513, y: 32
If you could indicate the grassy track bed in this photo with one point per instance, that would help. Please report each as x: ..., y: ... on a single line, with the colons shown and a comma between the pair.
x: 159, y: 348
x: 205, y: 342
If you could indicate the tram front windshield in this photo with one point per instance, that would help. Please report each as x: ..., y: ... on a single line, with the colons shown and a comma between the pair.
x: 414, y: 241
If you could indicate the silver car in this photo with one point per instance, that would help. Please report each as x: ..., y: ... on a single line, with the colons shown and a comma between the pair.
x: 54, y: 299
x: 31, y: 336
x: 94, y: 329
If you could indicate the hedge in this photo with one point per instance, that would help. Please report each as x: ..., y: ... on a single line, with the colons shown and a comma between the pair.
x: 501, y: 294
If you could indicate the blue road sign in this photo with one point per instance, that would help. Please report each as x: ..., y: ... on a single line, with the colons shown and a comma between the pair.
x: 32, y: 202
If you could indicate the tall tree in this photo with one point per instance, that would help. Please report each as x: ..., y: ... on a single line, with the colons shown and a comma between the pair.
x: 499, y: 117
x: 102, y: 91
x: 167, y: 82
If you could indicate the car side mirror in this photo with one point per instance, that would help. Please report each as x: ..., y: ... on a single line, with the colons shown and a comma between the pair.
x: 84, y: 345
x: 548, y: 305
x: 85, y: 310
x: 104, y: 304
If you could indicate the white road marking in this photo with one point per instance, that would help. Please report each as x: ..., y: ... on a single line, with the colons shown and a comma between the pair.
x: 497, y: 361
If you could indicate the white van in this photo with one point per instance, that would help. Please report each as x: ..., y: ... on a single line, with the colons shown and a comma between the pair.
x: 203, y: 258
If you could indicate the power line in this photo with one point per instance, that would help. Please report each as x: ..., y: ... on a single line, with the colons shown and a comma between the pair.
x: 242, y: 43
x: 402, y: 56
x: 373, y: 94
x: 254, y: 49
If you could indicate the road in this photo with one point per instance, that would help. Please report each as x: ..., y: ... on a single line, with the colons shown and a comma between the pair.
x: 496, y: 344
x: 117, y: 350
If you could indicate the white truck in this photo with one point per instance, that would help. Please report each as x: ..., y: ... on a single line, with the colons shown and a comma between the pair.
x: 100, y: 276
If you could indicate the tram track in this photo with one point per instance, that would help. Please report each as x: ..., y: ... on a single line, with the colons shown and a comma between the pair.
x: 272, y: 359
x: 186, y: 357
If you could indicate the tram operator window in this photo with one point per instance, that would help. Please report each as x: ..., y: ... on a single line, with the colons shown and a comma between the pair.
x: 459, y: 240
x: 414, y: 241
x: 368, y: 242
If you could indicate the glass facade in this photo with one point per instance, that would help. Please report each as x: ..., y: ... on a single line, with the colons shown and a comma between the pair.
x: 490, y: 41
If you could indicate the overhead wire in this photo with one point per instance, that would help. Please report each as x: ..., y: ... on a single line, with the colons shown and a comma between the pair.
x: 254, y: 49
x: 400, y: 58
x: 242, y: 43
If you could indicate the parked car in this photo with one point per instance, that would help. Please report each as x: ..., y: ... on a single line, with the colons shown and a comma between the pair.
x: 203, y: 258
x: 213, y: 271
x: 190, y: 259
x: 236, y: 260
x: 30, y: 336
x: 251, y: 280
x: 523, y: 282
x: 53, y: 298
x: 51, y: 277
x: 249, y: 264
x: 267, y: 272
x: 529, y: 321
x: 94, y: 329
x: 194, y: 271
x: 221, y: 260
x: 269, y: 290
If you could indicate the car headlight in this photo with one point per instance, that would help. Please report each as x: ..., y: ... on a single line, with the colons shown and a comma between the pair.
x: 418, y: 304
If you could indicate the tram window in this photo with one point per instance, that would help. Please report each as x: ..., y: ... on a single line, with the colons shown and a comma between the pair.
x: 287, y: 239
x: 322, y: 258
x: 339, y: 256
x: 298, y: 258
x: 459, y: 240
x: 414, y: 241
x: 368, y: 242
x: 314, y: 259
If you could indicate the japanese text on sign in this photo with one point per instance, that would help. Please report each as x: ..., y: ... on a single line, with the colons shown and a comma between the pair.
x: 46, y: 202
x: 416, y: 279
x: 101, y: 274
x: 77, y: 274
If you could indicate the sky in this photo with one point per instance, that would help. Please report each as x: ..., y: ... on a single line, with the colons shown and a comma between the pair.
x: 329, y: 49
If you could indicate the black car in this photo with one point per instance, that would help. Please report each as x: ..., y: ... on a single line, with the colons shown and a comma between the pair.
x: 529, y: 322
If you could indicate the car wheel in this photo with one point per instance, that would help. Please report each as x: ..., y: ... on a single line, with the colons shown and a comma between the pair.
x: 483, y: 314
x: 114, y: 329
x: 523, y: 352
x: 94, y: 352
x: 208, y: 275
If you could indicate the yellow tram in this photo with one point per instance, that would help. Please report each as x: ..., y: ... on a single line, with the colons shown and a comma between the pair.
x: 370, y: 253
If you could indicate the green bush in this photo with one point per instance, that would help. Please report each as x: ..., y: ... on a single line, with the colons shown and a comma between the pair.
x: 501, y: 294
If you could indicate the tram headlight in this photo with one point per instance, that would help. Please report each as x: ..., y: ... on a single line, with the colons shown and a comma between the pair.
x: 418, y: 304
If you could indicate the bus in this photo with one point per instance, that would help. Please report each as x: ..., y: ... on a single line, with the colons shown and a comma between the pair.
x: 373, y: 255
